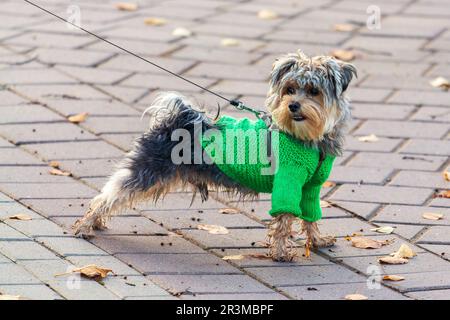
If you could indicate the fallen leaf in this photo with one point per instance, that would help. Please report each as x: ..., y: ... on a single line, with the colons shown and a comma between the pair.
x: 78, y: 118
x: 234, y: 257
x: 440, y: 82
x: 328, y: 184
x: 344, y: 27
x: 181, y: 32
x: 392, y: 260
x: 325, y: 204
x: 90, y: 271
x: 21, y: 217
x: 385, y: 229
x: 344, y: 55
x: 443, y: 194
x: 432, y: 216
x: 446, y: 175
x: 369, y: 138
x: 229, y: 42
x: 404, y: 252
x: 9, y: 297
x: 356, y: 296
x: 367, y: 243
x: 213, y: 229
x: 54, y: 164
x: 393, y: 277
x: 267, y: 14
x: 228, y: 211
x: 58, y: 172
x: 126, y: 6
x: 155, y: 21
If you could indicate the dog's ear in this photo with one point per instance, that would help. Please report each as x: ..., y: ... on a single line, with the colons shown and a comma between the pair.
x: 280, y: 67
x: 341, y: 73
x: 347, y: 74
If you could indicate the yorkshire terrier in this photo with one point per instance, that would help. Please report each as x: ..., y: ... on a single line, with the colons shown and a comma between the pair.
x: 309, y: 111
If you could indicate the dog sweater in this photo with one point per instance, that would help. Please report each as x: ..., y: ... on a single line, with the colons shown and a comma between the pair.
x: 295, y: 186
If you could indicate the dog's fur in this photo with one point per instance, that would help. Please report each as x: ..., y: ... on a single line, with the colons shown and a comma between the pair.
x: 316, y: 84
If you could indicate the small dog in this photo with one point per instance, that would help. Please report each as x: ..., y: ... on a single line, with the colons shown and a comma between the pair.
x: 309, y: 109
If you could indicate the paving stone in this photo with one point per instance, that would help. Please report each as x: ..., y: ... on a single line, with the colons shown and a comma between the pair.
x: 71, y: 57
x: 382, y: 194
x: 68, y: 246
x: 35, y: 228
x: 362, y: 209
x: 8, y: 98
x: 60, y: 92
x: 59, y: 207
x: 437, y: 235
x: 434, y: 114
x: 235, y: 296
x: 418, y: 97
x: 9, y: 233
x: 383, y: 144
x: 419, y: 179
x: 182, y: 201
x: 411, y: 215
x: 210, y: 283
x: 405, y: 230
x: 350, y: 174
x: 237, y: 238
x: 93, y: 107
x: 41, y: 76
x: 426, y: 146
x: 21, y: 114
x: 8, y: 209
x: 87, y: 75
x: 441, y: 250
x: 71, y: 289
x: 120, y: 268
x: 12, y: 274
x: 50, y: 190
x: 134, y: 286
x: 416, y: 282
x: 215, y: 55
x: 402, y: 129
x: 31, y: 291
x: 431, y: 295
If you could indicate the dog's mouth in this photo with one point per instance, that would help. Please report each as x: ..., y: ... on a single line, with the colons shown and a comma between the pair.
x: 298, y: 118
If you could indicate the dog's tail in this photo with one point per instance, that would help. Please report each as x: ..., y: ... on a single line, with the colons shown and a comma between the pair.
x: 171, y: 108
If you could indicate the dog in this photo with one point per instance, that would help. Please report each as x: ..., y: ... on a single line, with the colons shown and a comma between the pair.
x: 309, y: 110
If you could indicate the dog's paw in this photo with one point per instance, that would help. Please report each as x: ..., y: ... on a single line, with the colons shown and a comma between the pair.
x: 323, y: 241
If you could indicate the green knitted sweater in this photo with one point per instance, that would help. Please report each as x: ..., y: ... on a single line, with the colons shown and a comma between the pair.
x: 296, y: 184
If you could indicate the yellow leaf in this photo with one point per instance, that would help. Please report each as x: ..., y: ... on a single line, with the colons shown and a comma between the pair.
x: 234, y: 257
x: 344, y: 27
x: 181, y: 32
x: 404, y: 252
x: 356, y: 296
x: 9, y: 297
x: 446, y: 175
x: 228, y: 211
x: 392, y: 260
x: 267, y: 15
x: 344, y: 55
x: 443, y: 194
x: 432, y: 216
x: 57, y: 172
x: 440, y: 82
x: 213, y: 229
x: 54, y: 164
x: 21, y: 217
x: 126, y: 6
x: 366, y: 243
x: 385, y: 229
x: 90, y: 271
x: 393, y: 277
x: 369, y: 138
x: 325, y: 204
x: 229, y: 42
x: 155, y: 21
x: 78, y: 118
x: 328, y: 184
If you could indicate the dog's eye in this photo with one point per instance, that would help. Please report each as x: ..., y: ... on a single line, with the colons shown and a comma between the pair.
x: 313, y: 91
x: 290, y: 90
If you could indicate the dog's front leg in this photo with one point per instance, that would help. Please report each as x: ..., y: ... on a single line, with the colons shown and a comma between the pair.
x: 281, y: 246
x: 314, y: 237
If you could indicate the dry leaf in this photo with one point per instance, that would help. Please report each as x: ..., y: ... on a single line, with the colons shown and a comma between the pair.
x: 432, y: 216
x: 393, y: 277
x: 234, y: 257
x: 78, y: 118
x: 369, y: 138
x: 21, y: 217
x: 344, y: 55
x: 229, y: 42
x: 440, y: 82
x: 58, y: 172
x: 90, y: 271
x: 446, y: 175
x: 385, y: 229
x: 155, y: 21
x: 344, y: 27
x: 328, y: 184
x: 9, y: 297
x: 126, y: 6
x: 366, y: 243
x: 267, y: 15
x: 392, y: 260
x: 181, y: 32
x: 325, y: 204
x: 213, y: 229
x: 356, y: 296
x: 54, y: 164
x: 443, y: 194
x: 228, y: 211
x: 404, y: 252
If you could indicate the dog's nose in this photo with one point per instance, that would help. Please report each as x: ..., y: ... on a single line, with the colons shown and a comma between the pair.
x: 294, y: 107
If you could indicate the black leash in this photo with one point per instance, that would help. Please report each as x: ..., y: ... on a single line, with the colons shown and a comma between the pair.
x: 237, y: 104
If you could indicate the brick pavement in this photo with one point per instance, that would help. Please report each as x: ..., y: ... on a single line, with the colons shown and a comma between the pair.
x: 49, y: 72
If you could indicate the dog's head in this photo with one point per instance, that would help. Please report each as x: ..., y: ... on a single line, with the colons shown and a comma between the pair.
x: 306, y: 95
